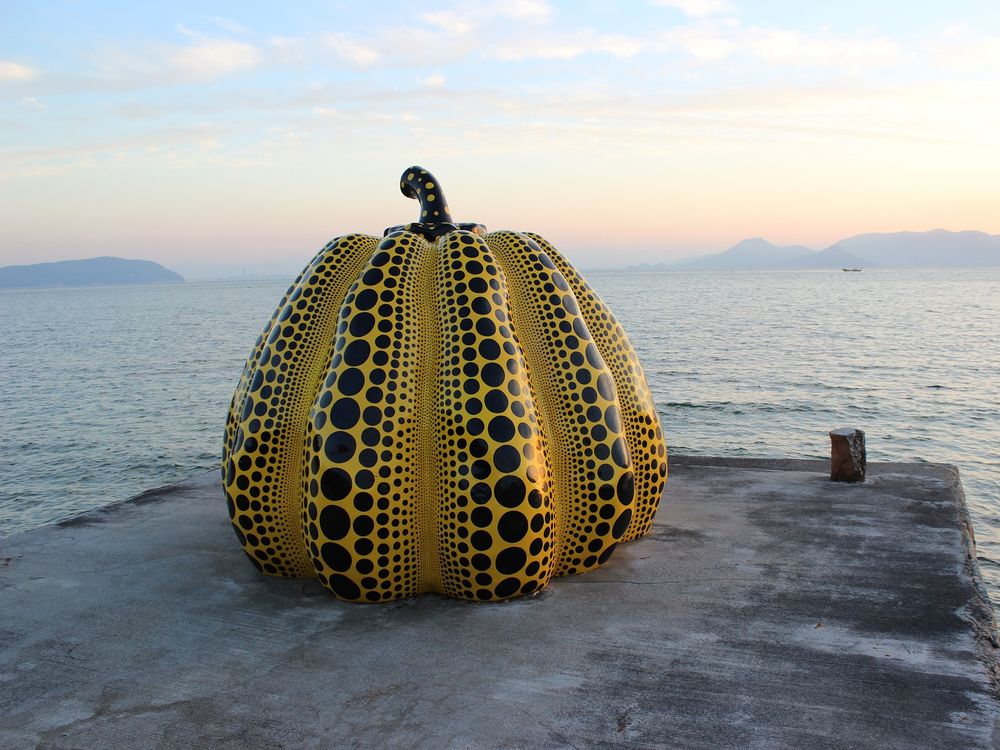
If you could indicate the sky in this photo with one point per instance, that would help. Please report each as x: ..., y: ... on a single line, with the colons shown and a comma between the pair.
x: 229, y: 138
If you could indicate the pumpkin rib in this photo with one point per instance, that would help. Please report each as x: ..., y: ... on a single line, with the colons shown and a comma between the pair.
x: 590, y: 458
x: 361, y: 457
x: 265, y: 455
x: 250, y: 366
x: 496, y: 518
x: 638, y: 409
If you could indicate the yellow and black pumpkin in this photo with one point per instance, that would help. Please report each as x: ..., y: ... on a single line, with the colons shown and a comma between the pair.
x: 443, y: 409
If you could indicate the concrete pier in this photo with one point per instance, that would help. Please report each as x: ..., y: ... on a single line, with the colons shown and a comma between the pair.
x: 770, y: 608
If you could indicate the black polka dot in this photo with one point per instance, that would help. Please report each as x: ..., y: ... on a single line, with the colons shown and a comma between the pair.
x: 345, y: 413
x: 535, y: 499
x: 335, y: 484
x: 606, y: 555
x: 613, y: 419
x: 334, y: 522
x: 606, y: 386
x: 622, y: 523
x: 619, y: 452
x: 512, y: 526
x: 481, y: 469
x: 506, y: 459
x: 357, y: 352
x: 363, y: 525
x: 351, y: 381
x: 493, y: 375
x: 594, y: 357
x: 481, y: 540
x: 336, y: 557
x: 496, y: 401
x: 508, y: 587
x: 511, y: 560
x: 626, y: 488
x: 339, y: 447
x: 344, y: 587
x: 366, y: 299
x: 501, y: 429
x: 510, y: 491
x: 361, y: 324
x: 481, y: 492
x: 481, y: 517
x: 489, y: 349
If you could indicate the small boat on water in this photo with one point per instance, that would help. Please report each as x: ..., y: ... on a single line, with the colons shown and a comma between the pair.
x: 852, y: 270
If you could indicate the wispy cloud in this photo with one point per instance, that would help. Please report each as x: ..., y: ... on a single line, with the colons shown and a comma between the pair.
x: 566, y: 46
x: 211, y: 58
x: 713, y: 42
x: 353, y: 50
x: 12, y: 71
x: 227, y: 24
x: 697, y: 8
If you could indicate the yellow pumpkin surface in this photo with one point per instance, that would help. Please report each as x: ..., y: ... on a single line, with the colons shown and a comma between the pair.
x: 450, y: 411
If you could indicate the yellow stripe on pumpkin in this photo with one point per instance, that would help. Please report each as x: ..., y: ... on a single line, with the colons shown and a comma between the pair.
x: 590, y: 466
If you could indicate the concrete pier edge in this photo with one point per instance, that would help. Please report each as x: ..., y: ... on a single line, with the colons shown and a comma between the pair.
x: 981, y: 614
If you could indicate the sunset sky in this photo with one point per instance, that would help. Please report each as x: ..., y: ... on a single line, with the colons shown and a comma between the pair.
x: 245, y: 136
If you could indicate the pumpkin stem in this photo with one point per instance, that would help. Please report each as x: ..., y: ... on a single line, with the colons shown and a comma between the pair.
x: 435, y: 219
x: 417, y: 182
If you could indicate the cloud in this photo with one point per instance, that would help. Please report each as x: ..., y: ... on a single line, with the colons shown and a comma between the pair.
x: 353, y: 50
x: 211, y: 58
x: 697, y: 8
x: 711, y: 42
x: 227, y: 24
x: 566, y: 46
x: 12, y: 71
x: 786, y: 46
x: 531, y: 10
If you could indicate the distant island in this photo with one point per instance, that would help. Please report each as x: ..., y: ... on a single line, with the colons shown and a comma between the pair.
x: 938, y: 248
x: 90, y: 272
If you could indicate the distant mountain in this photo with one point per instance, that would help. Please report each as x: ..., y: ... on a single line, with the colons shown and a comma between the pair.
x: 746, y: 255
x: 834, y: 256
x: 90, y: 272
x: 935, y: 249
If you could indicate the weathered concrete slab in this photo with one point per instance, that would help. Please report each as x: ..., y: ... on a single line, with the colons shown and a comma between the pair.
x: 769, y: 608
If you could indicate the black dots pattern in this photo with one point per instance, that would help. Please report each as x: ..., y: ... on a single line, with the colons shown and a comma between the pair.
x: 362, y: 474
x: 492, y: 474
x: 458, y: 414
x: 638, y: 410
x: 584, y: 444
x: 268, y: 416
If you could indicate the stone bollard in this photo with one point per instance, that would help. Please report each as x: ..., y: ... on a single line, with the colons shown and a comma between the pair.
x: 847, y: 455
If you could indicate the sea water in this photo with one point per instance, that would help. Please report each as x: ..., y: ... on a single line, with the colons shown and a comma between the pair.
x: 110, y: 391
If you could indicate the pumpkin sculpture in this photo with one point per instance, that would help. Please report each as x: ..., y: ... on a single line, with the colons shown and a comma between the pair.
x: 444, y: 409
